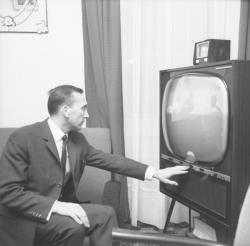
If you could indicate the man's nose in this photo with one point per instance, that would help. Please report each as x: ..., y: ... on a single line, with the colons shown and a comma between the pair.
x: 86, y: 114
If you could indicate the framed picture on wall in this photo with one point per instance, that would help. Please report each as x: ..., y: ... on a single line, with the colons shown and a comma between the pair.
x: 23, y: 16
x: 19, y: 4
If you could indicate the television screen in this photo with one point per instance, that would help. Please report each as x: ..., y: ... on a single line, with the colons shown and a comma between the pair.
x: 195, y: 116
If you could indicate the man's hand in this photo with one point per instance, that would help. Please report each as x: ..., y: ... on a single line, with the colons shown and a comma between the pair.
x: 73, y: 210
x: 164, y: 174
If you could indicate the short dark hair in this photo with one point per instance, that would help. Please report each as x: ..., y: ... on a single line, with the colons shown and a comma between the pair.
x: 60, y: 95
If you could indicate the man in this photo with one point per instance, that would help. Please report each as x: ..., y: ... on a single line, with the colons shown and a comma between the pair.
x: 40, y: 170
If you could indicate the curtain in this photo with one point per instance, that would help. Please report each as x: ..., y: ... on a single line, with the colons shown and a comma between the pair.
x: 244, y: 34
x: 103, y: 78
x: 158, y: 35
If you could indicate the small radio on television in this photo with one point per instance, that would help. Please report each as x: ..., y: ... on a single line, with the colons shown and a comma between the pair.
x: 211, y: 50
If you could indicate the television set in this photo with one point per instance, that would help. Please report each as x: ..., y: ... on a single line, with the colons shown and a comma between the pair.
x: 205, y: 124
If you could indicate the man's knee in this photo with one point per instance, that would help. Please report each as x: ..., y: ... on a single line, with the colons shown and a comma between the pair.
x: 76, y: 229
x: 109, y: 211
x: 59, y: 230
x: 100, y: 214
x: 73, y: 234
x: 110, y: 214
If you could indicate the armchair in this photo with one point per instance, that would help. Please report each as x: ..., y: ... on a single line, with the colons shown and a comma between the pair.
x: 93, y: 181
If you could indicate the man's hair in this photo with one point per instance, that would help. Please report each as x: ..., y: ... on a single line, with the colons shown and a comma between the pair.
x: 61, y: 95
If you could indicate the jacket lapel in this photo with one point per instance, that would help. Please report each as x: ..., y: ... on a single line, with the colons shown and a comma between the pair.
x: 48, y: 138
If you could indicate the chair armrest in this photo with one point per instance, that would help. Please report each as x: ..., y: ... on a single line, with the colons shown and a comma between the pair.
x: 159, y: 238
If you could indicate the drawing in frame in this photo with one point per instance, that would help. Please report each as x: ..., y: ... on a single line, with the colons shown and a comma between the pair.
x: 23, y: 16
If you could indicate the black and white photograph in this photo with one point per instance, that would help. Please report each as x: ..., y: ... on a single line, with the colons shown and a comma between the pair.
x: 124, y: 122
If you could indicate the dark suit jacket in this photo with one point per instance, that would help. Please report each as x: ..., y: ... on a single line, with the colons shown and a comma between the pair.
x: 31, y: 177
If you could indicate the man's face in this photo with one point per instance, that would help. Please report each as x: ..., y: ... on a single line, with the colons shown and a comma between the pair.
x: 77, y: 112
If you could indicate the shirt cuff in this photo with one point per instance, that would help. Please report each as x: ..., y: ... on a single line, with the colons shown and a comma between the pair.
x: 149, y: 173
x: 50, y: 212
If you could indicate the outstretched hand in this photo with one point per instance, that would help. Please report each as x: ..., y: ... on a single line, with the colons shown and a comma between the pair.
x: 165, y: 174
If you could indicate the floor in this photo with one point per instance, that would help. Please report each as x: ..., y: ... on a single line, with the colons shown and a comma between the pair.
x: 180, y: 229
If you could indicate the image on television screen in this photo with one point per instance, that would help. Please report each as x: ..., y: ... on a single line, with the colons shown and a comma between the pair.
x: 195, y: 115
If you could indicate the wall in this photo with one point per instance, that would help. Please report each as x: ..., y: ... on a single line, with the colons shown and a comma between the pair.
x: 31, y: 64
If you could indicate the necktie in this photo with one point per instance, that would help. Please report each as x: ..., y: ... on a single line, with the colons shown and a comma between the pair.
x: 68, y: 189
x: 64, y: 153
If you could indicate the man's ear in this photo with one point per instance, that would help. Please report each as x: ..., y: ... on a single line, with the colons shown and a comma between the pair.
x: 65, y: 109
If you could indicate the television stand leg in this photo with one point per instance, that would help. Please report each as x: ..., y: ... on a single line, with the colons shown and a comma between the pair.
x: 169, y: 215
x: 189, y: 219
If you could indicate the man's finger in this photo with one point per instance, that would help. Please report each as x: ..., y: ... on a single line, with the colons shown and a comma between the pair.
x: 170, y: 182
x: 76, y: 219
x: 83, y: 216
x: 182, y: 172
x: 85, y: 221
x: 181, y: 168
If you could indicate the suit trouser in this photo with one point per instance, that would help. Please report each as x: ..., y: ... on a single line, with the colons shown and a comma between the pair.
x: 64, y: 231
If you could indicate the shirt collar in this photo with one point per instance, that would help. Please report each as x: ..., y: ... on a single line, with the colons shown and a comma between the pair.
x: 57, y: 133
